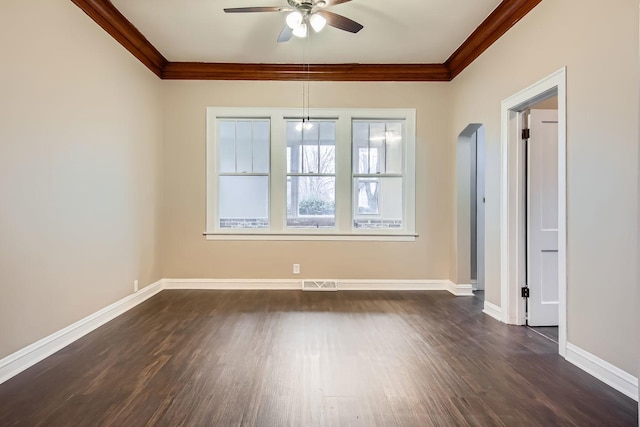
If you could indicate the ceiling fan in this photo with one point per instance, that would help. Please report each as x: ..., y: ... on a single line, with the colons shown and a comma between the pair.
x: 302, y: 13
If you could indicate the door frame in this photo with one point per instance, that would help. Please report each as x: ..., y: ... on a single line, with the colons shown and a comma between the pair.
x: 513, y: 192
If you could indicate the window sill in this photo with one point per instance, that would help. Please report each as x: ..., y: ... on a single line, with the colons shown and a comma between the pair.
x: 368, y: 237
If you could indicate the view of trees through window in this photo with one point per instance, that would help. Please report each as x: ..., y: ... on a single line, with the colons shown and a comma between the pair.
x: 311, y: 168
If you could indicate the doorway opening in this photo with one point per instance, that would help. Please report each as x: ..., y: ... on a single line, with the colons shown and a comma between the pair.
x: 520, y: 261
x: 470, y: 208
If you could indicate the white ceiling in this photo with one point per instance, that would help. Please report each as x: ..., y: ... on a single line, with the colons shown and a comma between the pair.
x: 395, y: 31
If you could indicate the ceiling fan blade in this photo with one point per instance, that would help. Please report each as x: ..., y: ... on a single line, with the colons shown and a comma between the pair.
x: 285, y: 34
x: 340, y: 21
x: 335, y: 2
x: 255, y: 9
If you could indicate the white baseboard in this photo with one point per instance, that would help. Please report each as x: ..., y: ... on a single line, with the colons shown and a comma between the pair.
x: 345, y: 285
x: 393, y: 285
x: 28, y: 356
x: 615, y: 377
x: 460, y: 290
x: 232, y: 284
x: 492, y: 310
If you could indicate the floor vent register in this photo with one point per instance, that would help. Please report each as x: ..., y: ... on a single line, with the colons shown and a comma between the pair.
x: 319, y: 285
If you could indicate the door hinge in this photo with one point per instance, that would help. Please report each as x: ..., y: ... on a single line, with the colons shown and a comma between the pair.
x: 524, y: 292
x: 526, y: 133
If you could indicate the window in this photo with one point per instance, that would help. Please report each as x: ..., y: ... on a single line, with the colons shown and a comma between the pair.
x: 243, y: 155
x: 377, y: 174
x: 311, y: 174
x: 340, y: 174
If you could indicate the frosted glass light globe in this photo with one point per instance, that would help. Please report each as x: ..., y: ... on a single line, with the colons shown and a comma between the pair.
x: 300, y: 31
x: 294, y: 19
x: 317, y: 22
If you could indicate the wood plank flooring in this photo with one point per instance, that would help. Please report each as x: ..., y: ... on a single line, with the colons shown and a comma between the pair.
x: 550, y: 332
x: 291, y: 358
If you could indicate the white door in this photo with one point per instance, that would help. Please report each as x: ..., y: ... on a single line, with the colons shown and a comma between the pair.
x: 542, y: 218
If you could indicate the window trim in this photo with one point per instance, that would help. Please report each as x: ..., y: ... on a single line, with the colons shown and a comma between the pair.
x: 278, y: 175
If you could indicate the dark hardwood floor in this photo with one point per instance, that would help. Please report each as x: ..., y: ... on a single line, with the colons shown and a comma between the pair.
x: 291, y: 358
x: 550, y: 332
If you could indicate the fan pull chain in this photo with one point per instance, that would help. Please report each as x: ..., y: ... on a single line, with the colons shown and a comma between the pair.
x: 304, y: 60
x: 308, y: 41
x: 306, y: 69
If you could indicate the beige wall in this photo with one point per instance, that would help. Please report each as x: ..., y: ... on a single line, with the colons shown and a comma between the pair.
x: 80, y: 146
x: 598, y: 43
x: 186, y: 253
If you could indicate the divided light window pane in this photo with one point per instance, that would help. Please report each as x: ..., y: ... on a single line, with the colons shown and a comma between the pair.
x: 244, y: 202
x: 311, y: 202
x: 378, y: 203
x: 243, y: 184
x: 394, y: 148
x: 227, y: 146
x: 377, y: 147
x: 377, y: 174
x: 311, y: 167
x: 244, y: 147
x: 261, y: 148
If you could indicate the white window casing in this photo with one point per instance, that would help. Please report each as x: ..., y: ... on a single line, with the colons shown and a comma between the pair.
x: 345, y: 197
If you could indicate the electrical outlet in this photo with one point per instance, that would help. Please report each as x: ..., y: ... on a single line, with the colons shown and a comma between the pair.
x: 135, y: 286
x: 296, y: 268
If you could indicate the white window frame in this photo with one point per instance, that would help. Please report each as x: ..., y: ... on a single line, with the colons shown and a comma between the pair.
x: 344, y: 179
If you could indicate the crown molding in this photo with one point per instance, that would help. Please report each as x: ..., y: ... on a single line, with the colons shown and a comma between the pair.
x: 507, y: 14
x: 313, y: 72
x: 105, y: 14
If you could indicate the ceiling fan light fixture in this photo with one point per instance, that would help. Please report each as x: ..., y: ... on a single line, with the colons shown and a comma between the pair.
x: 300, y: 30
x: 294, y: 20
x: 300, y: 14
x: 305, y: 125
x: 317, y: 22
